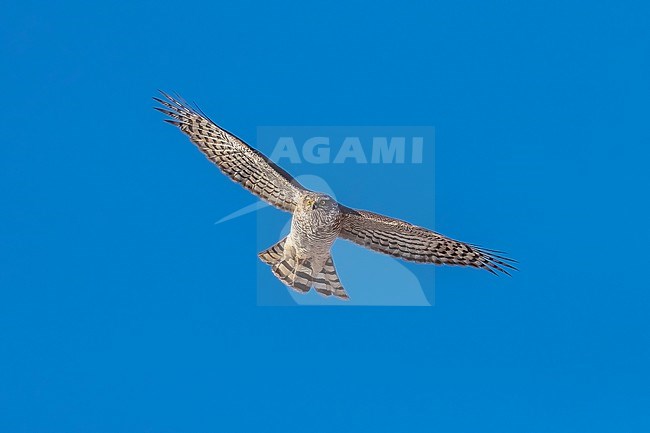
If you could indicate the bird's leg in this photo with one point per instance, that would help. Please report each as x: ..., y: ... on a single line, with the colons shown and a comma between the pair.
x: 295, y: 268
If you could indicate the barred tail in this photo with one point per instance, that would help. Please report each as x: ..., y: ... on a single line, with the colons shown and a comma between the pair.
x: 327, y: 283
x: 301, y: 275
x: 273, y: 254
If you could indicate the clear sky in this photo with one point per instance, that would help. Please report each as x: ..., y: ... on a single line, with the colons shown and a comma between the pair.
x: 124, y: 308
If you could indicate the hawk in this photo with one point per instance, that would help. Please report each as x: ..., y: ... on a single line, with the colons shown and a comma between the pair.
x: 303, y: 259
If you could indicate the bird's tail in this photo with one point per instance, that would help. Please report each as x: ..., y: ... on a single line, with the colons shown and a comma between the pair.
x: 301, y: 275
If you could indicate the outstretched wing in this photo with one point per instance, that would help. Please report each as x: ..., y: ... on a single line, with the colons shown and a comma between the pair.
x: 403, y: 240
x: 239, y: 161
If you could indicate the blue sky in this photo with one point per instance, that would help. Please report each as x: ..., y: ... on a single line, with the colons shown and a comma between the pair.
x: 124, y: 308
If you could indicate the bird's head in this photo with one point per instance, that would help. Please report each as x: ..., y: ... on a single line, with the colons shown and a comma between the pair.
x: 320, y: 202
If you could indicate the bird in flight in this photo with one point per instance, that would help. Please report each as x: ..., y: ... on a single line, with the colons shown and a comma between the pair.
x: 303, y: 259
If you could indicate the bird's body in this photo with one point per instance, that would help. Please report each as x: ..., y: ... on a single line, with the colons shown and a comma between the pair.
x: 315, y: 225
x: 306, y: 260
x: 302, y: 260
